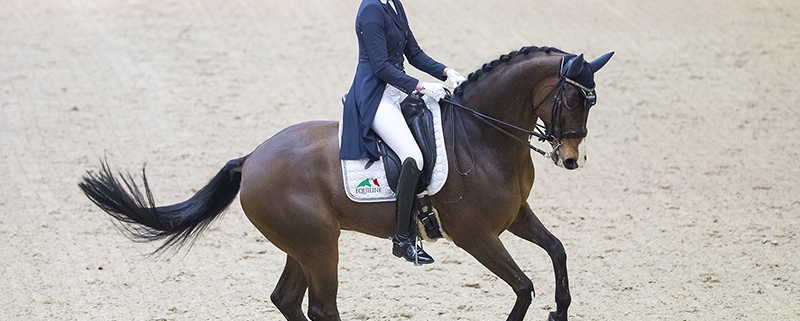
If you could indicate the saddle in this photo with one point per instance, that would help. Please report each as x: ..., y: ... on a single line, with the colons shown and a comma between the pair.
x: 420, y: 121
x: 365, y: 183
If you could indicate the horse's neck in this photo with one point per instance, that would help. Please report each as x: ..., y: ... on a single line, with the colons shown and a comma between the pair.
x: 507, y: 94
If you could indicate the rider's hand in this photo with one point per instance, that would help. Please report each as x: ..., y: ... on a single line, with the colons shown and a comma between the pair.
x: 433, y: 90
x: 454, y: 77
x: 420, y: 87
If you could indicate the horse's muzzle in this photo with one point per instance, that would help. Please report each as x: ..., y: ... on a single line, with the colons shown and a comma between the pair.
x: 571, y: 163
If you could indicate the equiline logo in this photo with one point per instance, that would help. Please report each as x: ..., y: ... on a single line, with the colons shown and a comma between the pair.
x: 368, y: 186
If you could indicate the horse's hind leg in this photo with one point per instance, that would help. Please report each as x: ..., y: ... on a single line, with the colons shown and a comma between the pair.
x: 321, y: 270
x: 311, y: 244
x: 288, y: 294
x: 527, y: 226
x: 310, y: 240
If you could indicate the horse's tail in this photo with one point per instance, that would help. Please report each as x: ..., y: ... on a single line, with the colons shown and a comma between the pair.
x: 179, y: 223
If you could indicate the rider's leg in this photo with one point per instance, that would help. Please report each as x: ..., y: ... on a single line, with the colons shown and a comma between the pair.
x: 404, y: 240
x: 391, y: 127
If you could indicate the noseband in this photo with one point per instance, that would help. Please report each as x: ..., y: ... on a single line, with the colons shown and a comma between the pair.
x: 551, y: 133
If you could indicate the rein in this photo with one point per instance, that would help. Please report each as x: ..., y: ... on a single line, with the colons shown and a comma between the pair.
x: 492, y: 122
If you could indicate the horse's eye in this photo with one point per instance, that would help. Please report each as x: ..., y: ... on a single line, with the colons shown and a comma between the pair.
x: 573, y: 102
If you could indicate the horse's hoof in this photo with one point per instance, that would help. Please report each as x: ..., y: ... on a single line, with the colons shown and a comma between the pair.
x: 554, y: 317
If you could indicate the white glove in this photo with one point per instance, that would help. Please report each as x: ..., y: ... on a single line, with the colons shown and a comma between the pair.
x: 455, y: 78
x: 433, y: 90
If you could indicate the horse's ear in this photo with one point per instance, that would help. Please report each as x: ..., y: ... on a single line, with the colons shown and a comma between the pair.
x: 600, y: 61
x: 575, y: 66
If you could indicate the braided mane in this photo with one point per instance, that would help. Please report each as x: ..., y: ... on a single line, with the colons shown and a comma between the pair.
x: 487, y: 67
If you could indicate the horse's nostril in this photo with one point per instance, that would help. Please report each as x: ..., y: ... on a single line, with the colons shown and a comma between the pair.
x: 571, y: 163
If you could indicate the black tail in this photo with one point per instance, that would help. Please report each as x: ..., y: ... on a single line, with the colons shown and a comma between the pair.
x: 179, y: 223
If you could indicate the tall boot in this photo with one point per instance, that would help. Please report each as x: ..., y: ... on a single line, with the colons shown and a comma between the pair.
x: 404, y: 240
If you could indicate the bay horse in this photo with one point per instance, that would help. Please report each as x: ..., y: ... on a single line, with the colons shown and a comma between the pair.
x: 291, y: 186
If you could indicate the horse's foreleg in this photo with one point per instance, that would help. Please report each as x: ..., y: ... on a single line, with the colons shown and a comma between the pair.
x: 290, y: 290
x: 490, y: 252
x: 528, y: 227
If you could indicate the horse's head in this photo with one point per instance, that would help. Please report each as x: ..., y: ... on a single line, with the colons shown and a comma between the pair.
x: 512, y: 93
x: 572, y: 97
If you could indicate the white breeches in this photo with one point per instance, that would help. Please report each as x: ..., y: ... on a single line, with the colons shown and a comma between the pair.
x: 391, y: 126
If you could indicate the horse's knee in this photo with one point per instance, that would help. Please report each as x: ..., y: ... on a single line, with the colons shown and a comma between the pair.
x: 524, y: 291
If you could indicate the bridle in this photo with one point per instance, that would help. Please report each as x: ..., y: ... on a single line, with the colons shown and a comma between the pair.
x: 552, y: 134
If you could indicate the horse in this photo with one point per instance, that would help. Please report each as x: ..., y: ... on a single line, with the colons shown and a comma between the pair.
x: 290, y: 187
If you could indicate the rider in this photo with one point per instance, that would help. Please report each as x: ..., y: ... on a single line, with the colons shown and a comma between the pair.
x: 371, y: 107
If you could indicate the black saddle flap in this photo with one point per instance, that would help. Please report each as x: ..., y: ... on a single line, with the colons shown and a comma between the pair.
x: 420, y: 121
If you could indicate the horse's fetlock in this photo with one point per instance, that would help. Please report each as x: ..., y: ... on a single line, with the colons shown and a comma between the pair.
x: 563, y: 299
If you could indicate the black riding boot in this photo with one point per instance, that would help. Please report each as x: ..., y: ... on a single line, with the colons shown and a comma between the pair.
x: 404, y: 239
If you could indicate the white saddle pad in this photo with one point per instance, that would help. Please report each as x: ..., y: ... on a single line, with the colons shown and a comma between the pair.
x: 367, y: 185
